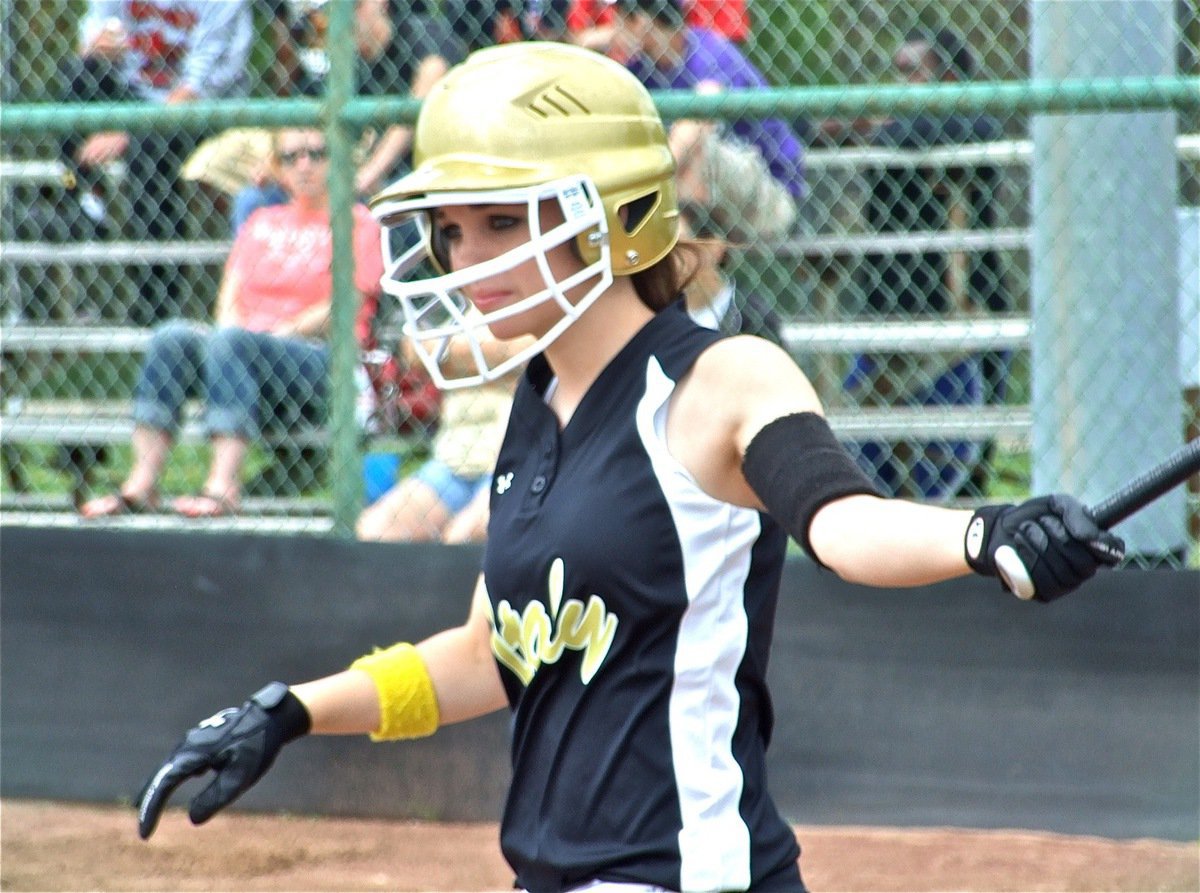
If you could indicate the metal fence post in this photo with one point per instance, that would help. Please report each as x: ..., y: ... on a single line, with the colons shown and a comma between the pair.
x: 1106, y: 396
x: 345, y: 458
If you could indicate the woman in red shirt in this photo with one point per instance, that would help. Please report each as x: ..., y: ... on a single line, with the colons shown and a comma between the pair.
x: 265, y: 361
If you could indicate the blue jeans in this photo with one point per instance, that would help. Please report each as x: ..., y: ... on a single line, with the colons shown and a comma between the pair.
x: 249, y: 380
x: 454, y: 490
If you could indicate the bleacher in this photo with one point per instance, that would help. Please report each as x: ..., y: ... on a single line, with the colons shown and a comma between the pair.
x: 76, y: 421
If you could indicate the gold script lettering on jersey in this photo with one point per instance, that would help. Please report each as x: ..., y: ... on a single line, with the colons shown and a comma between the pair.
x: 526, y: 640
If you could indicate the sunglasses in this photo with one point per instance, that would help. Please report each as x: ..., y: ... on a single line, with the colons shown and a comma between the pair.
x: 312, y: 153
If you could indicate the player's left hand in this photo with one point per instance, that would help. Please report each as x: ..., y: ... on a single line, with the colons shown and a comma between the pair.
x: 1041, y: 549
x: 239, y: 744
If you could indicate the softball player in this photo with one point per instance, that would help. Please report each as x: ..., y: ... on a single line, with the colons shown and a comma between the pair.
x: 640, y: 506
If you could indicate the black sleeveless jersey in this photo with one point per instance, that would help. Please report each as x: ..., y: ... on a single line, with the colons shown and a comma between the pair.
x: 632, y: 616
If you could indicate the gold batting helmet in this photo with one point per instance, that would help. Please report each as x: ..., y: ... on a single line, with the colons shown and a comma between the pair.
x: 526, y: 123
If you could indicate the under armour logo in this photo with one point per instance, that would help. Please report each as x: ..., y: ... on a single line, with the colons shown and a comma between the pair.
x: 503, y: 482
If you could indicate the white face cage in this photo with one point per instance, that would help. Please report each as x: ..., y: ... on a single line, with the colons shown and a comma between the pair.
x: 436, y: 310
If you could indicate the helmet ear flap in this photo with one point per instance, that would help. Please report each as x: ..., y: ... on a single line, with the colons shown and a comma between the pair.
x: 643, y: 227
x: 623, y: 219
x: 634, y: 212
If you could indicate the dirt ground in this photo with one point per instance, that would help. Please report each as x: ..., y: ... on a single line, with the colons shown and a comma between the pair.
x: 56, y: 846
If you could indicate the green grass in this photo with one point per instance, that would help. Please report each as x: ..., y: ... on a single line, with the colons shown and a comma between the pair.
x: 1010, y: 477
x: 43, y: 467
x: 46, y: 474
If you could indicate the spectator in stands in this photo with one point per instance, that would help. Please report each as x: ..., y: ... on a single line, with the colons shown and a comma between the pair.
x: 932, y: 284
x: 164, y: 52
x: 591, y: 23
x: 712, y: 296
x: 297, y: 32
x: 284, y: 66
x: 545, y: 20
x: 423, y: 48
x: 265, y: 362
x: 745, y: 179
x: 445, y: 499
x: 481, y: 23
x: 419, y: 48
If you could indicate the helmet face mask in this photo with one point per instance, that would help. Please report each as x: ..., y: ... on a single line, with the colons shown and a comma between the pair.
x: 523, y: 124
x: 436, y: 309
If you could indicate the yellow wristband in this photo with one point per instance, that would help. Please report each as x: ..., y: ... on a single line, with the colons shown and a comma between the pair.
x: 408, y: 706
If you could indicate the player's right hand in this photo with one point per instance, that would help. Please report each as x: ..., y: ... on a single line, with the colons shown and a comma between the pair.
x: 239, y: 744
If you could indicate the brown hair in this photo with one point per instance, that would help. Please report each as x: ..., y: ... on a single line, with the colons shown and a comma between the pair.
x: 663, y: 284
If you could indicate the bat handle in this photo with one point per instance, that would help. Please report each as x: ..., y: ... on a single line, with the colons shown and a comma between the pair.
x: 1147, y: 487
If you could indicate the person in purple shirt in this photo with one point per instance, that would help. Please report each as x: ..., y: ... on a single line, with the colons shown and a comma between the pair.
x: 745, y: 178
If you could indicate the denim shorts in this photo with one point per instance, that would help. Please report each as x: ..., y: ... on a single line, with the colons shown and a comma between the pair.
x: 454, y: 490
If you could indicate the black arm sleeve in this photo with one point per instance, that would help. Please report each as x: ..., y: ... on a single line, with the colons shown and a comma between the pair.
x: 795, y: 465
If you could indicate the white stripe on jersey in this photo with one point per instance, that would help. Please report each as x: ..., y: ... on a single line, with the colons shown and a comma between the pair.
x: 716, y: 539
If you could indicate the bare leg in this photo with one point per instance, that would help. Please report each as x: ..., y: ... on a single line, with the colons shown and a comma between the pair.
x: 225, y: 474
x: 470, y: 525
x: 223, y: 487
x: 150, y: 450
x: 151, y: 447
x: 409, y: 512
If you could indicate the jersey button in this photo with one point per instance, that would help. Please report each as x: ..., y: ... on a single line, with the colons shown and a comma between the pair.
x: 539, y: 484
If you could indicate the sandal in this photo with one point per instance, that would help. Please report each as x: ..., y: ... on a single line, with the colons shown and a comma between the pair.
x: 116, y: 504
x: 205, y: 505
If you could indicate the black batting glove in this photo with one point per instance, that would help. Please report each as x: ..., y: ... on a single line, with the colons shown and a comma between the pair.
x: 1041, y: 549
x: 239, y: 744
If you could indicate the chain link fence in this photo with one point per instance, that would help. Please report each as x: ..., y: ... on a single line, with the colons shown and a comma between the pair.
x: 976, y: 224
